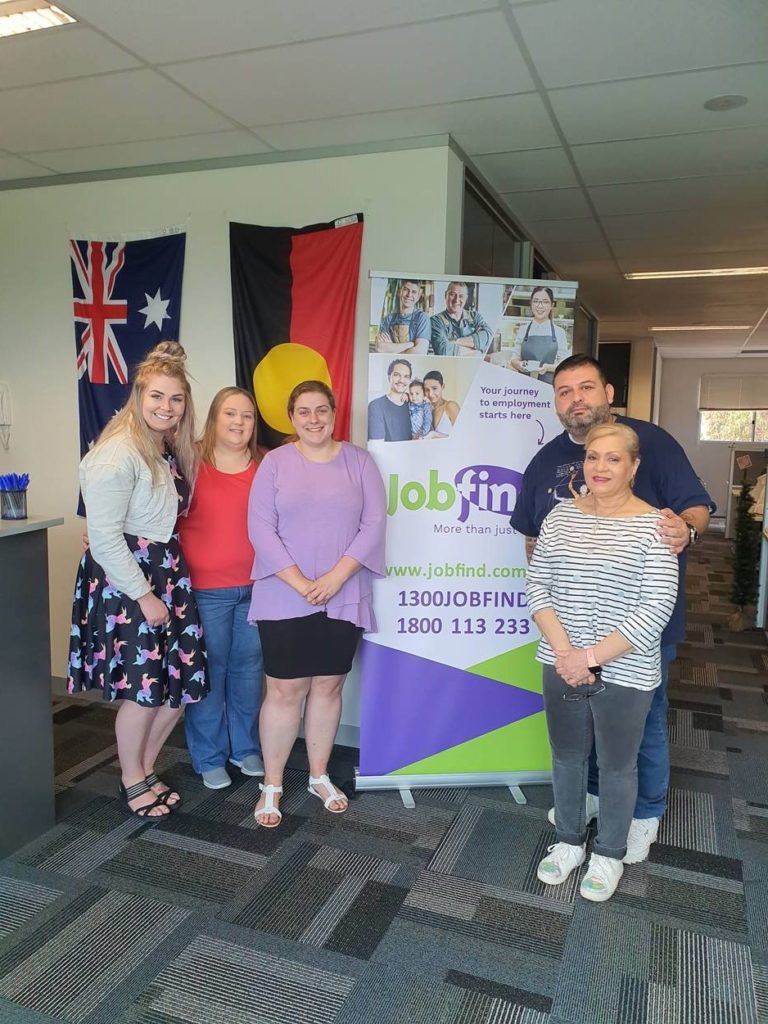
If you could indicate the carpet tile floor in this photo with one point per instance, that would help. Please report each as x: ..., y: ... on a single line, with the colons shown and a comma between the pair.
x: 393, y: 916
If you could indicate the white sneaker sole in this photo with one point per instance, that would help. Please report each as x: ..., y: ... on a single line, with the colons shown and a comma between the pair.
x: 253, y: 775
x: 221, y: 785
x: 596, y: 897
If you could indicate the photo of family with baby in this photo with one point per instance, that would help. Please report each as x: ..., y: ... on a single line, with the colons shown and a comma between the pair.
x: 415, y: 400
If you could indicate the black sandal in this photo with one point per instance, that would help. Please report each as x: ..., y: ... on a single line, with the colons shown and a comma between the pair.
x: 136, y: 790
x: 152, y: 780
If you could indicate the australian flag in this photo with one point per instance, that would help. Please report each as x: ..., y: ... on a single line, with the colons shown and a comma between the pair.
x: 127, y: 298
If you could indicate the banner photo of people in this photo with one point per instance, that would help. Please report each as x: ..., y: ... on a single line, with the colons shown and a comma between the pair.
x: 450, y: 690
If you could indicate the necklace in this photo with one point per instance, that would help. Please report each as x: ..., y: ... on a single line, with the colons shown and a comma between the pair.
x: 615, y: 512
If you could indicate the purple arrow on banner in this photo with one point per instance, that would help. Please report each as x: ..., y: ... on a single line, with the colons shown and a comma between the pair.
x: 412, y: 708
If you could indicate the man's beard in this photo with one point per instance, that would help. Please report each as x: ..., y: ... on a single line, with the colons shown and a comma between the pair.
x: 582, y: 422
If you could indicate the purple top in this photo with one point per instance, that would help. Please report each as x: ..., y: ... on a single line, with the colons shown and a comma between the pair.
x: 309, y: 514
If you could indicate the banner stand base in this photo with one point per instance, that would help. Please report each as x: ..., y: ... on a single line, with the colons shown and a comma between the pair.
x: 404, y: 784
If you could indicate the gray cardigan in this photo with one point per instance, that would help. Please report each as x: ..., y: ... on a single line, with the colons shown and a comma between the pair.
x: 120, y: 497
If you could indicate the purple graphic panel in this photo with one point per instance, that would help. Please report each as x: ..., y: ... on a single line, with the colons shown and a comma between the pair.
x: 410, y: 712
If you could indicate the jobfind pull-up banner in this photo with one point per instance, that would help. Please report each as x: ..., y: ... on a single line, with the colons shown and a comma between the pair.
x: 460, y: 399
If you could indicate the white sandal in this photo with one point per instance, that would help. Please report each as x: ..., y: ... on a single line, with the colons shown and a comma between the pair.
x: 323, y: 780
x: 269, y: 806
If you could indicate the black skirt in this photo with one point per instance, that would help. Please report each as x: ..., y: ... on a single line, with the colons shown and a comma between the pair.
x: 310, y: 645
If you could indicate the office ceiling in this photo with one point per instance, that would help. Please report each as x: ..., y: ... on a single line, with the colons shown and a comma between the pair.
x: 586, y: 116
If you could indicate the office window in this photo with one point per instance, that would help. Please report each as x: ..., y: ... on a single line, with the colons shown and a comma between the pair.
x: 733, y: 425
x: 492, y: 245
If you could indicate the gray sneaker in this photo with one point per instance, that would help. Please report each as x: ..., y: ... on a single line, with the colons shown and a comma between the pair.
x: 216, y: 778
x: 250, y: 765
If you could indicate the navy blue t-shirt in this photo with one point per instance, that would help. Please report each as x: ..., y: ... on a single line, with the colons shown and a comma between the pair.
x: 665, y: 479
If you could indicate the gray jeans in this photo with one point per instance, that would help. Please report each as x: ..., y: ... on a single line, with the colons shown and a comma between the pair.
x: 615, y: 720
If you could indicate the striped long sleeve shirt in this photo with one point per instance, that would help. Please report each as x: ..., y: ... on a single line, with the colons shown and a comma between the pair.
x: 600, y: 574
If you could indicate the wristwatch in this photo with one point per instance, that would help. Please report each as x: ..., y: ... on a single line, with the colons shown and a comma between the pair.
x: 693, y: 535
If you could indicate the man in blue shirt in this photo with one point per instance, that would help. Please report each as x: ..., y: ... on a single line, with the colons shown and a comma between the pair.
x: 457, y: 331
x: 407, y: 329
x: 665, y: 480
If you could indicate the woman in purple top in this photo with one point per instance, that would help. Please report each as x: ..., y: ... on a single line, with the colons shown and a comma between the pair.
x: 316, y: 520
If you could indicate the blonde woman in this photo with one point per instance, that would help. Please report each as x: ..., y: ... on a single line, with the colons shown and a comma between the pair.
x: 214, y: 538
x: 601, y: 588
x: 135, y: 629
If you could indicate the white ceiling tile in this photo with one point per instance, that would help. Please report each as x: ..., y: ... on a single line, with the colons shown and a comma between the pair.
x: 70, y: 51
x: 522, y: 172
x: 564, y: 203
x: 699, y: 229
x: 716, y: 248
x: 566, y: 251
x: 13, y: 167
x: 112, y: 108
x: 501, y: 122
x: 596, y: 41
x: 706, y: 193
x: 701, y: 261
x: 744, y: 149
x: 759, y: 338
x: 427, y: 64
x: 582, y: 229
x: 661, y: 105
x: 183, y: 30
x: 158, y: 151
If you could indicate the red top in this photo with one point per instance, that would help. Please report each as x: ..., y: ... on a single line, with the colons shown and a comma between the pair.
x: 214, y: 534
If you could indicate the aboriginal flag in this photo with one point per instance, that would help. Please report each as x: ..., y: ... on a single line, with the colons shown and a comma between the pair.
x: 293, y: 309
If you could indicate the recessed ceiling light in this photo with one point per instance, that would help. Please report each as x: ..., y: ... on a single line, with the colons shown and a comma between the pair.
x: 705, y: 327
x: 660, y: 275
x: 17, y: 16
x: 725, y: 102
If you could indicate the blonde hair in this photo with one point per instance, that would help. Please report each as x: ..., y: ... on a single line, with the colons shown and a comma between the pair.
x: 167, y: 360
x: 629, y: 438
x: 207, y: 444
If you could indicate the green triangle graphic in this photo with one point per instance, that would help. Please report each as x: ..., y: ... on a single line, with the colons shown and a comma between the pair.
x: 518, y: 747
x: 517, y: 668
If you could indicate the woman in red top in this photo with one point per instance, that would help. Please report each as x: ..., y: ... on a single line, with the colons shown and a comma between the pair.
x: 214, y: 538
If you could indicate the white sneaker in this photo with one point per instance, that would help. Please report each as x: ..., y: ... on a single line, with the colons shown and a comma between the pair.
x: 602, y: 877
x: 562, y: 859
x: 642, y: 832
x: 593, y: 808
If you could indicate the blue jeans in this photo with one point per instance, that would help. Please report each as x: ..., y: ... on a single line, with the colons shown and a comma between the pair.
x: 653, y: 757
x: 226, y: 724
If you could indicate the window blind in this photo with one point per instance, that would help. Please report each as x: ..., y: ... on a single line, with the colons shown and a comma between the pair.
x: 733, y: 391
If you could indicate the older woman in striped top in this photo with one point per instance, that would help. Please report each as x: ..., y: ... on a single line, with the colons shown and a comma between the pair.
x: 601, y: 588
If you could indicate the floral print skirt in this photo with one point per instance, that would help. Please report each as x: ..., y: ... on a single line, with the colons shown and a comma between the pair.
x: 113, y: 647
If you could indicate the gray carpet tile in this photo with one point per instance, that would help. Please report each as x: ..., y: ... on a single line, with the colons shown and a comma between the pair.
x: 223, y: 983
x: 388, y: 915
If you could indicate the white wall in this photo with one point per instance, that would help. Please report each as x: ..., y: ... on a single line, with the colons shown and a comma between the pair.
x: 410, y: 200
x: 679, y: 414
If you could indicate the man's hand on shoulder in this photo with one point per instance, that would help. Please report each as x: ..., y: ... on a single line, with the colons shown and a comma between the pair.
x: 674, y: 531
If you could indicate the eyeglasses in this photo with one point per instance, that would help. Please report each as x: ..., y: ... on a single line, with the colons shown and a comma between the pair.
x: 587, y: 690
x: 541, y: 302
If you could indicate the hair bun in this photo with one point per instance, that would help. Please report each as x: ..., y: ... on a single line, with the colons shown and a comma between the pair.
x: 169, y: 350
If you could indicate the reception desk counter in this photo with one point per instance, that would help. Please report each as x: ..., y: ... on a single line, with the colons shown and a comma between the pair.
x: 26, y: 729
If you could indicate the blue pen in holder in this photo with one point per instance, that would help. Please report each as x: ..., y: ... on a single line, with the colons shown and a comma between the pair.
x: 13, y: 495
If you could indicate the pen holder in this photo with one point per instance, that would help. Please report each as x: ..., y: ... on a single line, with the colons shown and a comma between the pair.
x: 13, y: 504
